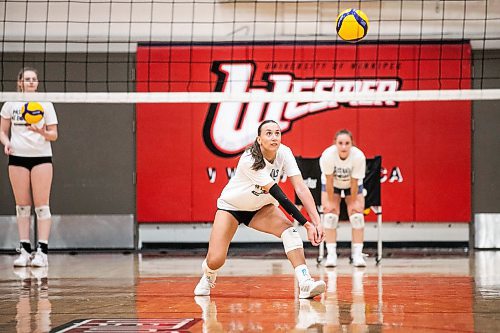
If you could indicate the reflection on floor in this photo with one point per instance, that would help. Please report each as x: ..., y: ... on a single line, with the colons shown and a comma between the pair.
x: 155, y: 292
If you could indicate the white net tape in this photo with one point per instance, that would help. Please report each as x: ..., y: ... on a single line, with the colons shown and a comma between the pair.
x: 266, y: 97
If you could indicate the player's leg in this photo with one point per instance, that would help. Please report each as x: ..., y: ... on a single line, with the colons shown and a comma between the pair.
x: 270, y: 219
x: 20, y: 181
x: 330, y: 224
x: 41, y: 183
x: 355, y: 208
x: 223, y: 230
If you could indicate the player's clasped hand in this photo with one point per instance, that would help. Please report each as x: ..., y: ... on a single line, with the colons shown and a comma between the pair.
x: 321, y: 233
x: 315, y: 233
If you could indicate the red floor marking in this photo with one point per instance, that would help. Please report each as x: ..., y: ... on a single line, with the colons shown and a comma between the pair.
x: 129, y: 325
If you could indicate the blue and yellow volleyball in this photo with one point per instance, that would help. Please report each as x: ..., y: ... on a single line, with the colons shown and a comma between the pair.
x: 352, y: 25
x: 32, y: 112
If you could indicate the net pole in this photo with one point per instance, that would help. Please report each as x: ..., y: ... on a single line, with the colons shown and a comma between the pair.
x: 379, y: 234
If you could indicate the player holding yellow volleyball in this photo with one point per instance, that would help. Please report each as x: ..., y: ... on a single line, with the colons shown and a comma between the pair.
x: 30, y: 165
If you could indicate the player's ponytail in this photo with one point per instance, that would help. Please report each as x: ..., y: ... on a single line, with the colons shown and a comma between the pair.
x: 254, y: 149
x: 258, y: 158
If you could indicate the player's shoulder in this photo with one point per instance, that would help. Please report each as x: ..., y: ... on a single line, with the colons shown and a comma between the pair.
x: 284, y: 152
x: 329, y: 151
x: 284, y: 149
x: 9, y: 106
x: 357, y: 153
x: 246, y: 158
x: 47, y: 106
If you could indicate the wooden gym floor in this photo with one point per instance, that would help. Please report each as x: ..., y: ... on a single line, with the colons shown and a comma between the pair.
x: 154, y: 293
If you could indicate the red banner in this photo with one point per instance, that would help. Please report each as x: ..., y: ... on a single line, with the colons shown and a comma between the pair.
x: 187, y: 152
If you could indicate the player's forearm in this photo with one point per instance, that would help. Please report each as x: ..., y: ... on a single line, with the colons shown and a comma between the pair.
x: 4, y: 138
x: 287, y: 205
x: 50, y: 135
x: 308, y: 201
x: 354, y: 188
x: 329, y: 191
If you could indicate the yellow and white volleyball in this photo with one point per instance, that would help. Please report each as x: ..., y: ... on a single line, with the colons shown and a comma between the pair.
x: 32, y: 112
x: 352, y: 25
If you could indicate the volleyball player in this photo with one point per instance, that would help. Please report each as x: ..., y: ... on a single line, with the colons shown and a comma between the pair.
x: 344, y: 167
x: 251, y: 197
x: 30, y: 168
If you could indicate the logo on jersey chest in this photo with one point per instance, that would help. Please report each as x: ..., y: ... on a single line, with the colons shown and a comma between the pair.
x: 342, y: 173
x: 17, y: 119
x: 274, y: 173
x: 258, y: 190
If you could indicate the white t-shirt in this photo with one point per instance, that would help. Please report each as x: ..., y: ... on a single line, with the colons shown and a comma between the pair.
x: 353, y: 166
x: 26, y: 143
x: 244, y: 190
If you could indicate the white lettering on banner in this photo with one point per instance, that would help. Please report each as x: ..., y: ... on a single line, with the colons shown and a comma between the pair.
x: 230, y: 172
x: 395, y: 176
x: 212, y: 174
x: 230, y: 126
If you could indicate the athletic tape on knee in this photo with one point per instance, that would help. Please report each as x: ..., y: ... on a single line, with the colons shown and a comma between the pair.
x: 291, y: 239
x: 357, y: 220
x: 23, y: 211
x: 330, y: 221
x: 43, y: 212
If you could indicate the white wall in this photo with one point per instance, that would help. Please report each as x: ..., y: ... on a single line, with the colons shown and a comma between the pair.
x: 85, y: 25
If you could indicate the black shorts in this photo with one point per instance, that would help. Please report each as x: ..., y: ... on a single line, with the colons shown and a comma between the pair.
x: 347, y: 191
x: 242, y: 216
x: 29, y: 162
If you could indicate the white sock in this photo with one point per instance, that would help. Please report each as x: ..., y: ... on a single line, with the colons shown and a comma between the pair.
x: 331, y: 248
x: 357, y: 249
x: 207, y: 270
x: 302, y: 273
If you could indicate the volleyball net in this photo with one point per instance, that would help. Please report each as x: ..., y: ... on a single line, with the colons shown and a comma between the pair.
x: 98, y: 47
x: 203, y: 74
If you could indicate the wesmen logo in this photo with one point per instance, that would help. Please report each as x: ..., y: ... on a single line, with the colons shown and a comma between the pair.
x: 230, y: 126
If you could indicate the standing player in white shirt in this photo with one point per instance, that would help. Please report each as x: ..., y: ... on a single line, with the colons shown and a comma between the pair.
x: 251, y: 197
x: 30, y: 167
x: 344, y: 166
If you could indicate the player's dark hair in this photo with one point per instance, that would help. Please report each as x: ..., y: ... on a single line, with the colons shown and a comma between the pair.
x: 254, y: 149
x: 20, y: 75
x: 344, y: 131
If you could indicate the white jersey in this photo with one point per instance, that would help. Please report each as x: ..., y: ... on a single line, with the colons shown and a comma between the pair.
x: 26, y: 143
x: 354, y: 166
x: 244, y: 190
